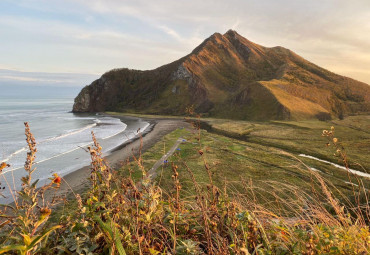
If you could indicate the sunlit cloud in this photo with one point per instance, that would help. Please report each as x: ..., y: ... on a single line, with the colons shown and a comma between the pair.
x: 94, y: 36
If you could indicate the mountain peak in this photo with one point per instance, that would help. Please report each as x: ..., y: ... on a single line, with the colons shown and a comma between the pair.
x: 228, y: 76
x: 231, y: 32
x: 231, y: 37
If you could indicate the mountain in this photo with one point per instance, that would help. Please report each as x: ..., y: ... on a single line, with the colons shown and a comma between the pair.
x: 228, y: 76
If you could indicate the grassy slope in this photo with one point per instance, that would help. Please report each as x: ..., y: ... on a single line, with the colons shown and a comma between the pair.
x: 299, y: 108
x: 304, y: 136
x: 232, y: 78
x: 261, y: 160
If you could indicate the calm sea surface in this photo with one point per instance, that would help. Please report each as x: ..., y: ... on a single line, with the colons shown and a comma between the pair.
x: 59, y: 135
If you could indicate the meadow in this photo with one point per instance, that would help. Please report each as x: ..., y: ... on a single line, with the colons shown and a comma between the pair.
x: 230, y: 187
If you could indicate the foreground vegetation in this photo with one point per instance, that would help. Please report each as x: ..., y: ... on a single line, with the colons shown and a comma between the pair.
x: 215, y: 195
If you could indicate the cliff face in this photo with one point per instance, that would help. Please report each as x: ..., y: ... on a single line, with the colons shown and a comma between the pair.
x: 228, y: 76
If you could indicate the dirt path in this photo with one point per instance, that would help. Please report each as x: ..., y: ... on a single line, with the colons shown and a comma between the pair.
x: 152, y: 173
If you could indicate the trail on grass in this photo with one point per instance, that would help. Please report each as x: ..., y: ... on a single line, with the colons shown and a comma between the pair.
x: 153, y: 171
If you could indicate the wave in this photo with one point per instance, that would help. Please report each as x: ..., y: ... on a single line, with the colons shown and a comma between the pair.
x: 14, y: 153
x: 77, y: 118
x: 143, y: 128
x: 53, y: 139
x: 55, y: 156
x: 74, y: 149
x: 63, y: 153
x: 68, y: 134
x: 119, y: 132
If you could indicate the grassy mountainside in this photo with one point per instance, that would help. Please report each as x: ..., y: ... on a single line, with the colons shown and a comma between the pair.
x: 228, y: 76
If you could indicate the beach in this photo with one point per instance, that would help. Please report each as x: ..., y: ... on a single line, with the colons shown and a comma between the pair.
x: 77, y: 181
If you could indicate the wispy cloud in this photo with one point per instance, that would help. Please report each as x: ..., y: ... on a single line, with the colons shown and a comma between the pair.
x: 12, y: 77
x: 170, y: 32
x: 97, y: 35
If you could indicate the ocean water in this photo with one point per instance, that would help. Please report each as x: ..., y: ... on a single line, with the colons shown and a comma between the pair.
x: 60, y: 136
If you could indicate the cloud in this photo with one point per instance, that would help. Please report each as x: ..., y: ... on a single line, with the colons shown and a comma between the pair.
x: 12, y: 77
x: 170, y: 32
x: 85, y: 49
x: 97, y: 35
x: 318, y: 30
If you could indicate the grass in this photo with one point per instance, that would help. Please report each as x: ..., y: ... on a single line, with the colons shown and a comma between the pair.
x: 293, y: 97
x: 301, y: 136
x: 232, y: 160
x: 153, y: 154
x: 294, y: 136
x: 216, y: 195
x: 263, y: 152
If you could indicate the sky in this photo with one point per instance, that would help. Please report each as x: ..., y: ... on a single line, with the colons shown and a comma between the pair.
x: 73, y: 42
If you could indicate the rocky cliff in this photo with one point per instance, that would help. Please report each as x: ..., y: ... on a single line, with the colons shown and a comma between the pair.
x: 228, y: 76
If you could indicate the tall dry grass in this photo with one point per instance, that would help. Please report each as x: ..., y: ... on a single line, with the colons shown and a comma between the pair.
x: 118, y: 215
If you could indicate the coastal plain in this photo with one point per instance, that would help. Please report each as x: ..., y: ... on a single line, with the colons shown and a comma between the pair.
x: 264, y: 154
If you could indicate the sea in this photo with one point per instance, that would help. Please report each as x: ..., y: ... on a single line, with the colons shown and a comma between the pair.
x: 61, y: 138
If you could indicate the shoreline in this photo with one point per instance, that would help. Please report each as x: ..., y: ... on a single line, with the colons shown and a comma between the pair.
x: 77, y: 181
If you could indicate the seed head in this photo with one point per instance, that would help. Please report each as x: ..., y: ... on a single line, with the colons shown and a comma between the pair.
x: 45, y: 212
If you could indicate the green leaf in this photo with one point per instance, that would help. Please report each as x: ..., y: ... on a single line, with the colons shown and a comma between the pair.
x: 8, y: 248
x: 39, y: 238
x: 112, y: 234
x: 33, y: 185
x: 26, y: 239
x: 154, y: 252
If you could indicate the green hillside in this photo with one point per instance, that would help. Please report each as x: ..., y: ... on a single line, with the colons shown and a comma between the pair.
x: 228, y: 76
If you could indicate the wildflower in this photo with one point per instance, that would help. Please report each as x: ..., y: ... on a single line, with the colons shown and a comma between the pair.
x: 178, y: 149
x: 45, y: 212
x: 57, y: 179
x: 200, y: 152
x: 332, y: 128
x: 3, y: 165
x: 335, y: 140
